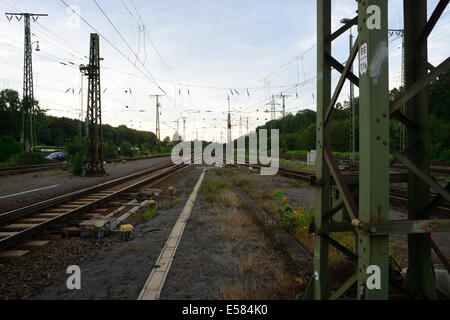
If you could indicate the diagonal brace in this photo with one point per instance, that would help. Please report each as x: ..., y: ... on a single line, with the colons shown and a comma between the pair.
x: 339, y: 67
x: 419, y: 85
x: 432, y: 21
x: 340, y: 84
x: 342, y: 29
x: 419, y: 173
x: 334, y: 169
x: 347, y: 284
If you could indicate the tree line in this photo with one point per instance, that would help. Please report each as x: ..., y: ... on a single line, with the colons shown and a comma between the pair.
x: 57, y: 131
x: 298, y: 131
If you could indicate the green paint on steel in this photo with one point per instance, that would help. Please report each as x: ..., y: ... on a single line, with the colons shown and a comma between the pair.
x: 373, y: 143
x: 420, y: 278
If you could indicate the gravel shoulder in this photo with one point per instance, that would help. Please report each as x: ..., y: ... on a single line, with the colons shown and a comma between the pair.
x: 119, y: 271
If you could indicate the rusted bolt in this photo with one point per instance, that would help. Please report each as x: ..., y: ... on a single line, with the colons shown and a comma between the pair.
x: 384, y: 142
x: 384, y: 115
x: 378, y: 137
x: 378, y: 120
x: 356, y: 222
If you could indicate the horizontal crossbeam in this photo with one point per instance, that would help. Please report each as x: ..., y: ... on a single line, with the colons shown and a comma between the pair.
x: 406, y: 227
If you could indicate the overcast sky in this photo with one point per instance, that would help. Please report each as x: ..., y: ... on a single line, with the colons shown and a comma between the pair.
x: 198, y: 51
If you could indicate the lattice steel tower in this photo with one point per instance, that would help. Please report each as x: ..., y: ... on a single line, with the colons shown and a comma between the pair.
x: 28, y: 135
x: 358, y: 202
x: 94, y: 139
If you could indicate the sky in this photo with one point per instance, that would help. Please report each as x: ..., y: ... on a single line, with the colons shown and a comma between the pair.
x: 197, y: 52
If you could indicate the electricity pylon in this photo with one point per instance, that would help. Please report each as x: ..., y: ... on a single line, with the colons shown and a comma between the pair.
x: 28, y: 135
x: 158, y: 130
x: 229, y: 122
x: 94, y: 141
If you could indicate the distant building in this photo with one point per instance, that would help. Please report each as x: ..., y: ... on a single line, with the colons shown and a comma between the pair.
x: 177, y: 137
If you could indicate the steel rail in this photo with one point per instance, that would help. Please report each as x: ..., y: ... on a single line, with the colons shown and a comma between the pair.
x: 18, y: 213
x: 50, y: 166
x: 19, y: 236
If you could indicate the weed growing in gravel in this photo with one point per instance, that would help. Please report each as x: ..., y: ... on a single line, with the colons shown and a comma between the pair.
x: 168, y: 204
x: 296, y: 165
x: 289, y: 217
x: 148, y: 214
x: 242, y: 182
x: 213, y: 190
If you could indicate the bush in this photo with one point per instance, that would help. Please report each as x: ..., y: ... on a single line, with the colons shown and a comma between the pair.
x: 26, y: 159
x: 73, y: 147
x: 76, y: 165
x: 125, y: 149
x: 8, y: 147
x: 109, y: 151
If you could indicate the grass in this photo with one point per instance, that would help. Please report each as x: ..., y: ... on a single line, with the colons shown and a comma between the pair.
x: 147, y: 214
x: 297, y: 165
x: 243, y: 182
x: 260, y: 271
x: 265, y: 199
x: 168, y: 204
x: 216, y: 189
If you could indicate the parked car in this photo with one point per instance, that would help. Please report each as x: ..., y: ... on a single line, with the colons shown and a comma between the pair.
x: 60, y: 156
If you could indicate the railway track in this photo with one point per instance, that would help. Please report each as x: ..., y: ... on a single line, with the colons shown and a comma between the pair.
x: 53, y: 166
x: 28, y: 169
x: 396, y: 194
x: 21, y: 224
x: 437, y: 167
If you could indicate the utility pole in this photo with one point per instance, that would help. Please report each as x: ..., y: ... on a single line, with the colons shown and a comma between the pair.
x: 229, y: 122
x: 28, y: 135
x: 352, y: 162
x: 352, y: 113
x: 284, y: 96
x: 247, y: 125
x: 81, y: 107
x: 400, y: 33
x: 94, y: 140
x: 184, y: 128
x: 240, y: 126
x: 283, y: 112
x: 272, y: 104
x: 158, y: 131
